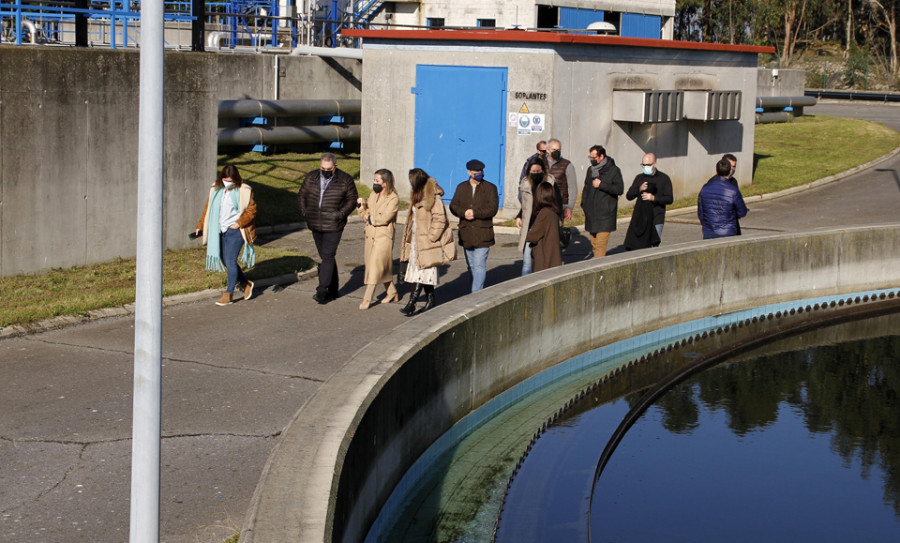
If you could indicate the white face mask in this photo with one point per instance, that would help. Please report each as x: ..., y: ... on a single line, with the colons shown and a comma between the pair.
x: 228, y: 184
x: 648, y: 170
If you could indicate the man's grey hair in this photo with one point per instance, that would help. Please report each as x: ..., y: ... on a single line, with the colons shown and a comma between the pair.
x: 329, y: 157
x: 551, y: 140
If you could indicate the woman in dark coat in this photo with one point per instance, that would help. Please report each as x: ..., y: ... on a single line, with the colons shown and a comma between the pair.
x: 544, y: 233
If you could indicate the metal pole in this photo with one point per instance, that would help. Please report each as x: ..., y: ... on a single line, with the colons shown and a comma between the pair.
x: 81, y: 23
x: 198, y: 25
x: 144, y: 526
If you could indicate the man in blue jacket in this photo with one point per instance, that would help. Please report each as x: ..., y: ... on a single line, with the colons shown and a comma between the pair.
x: 720, y: 204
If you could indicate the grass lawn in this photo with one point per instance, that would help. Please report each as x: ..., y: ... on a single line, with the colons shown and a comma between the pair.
x: 813, y: 147
x: 77, y: 290
x: 277, y: 178
x: 785, y: 155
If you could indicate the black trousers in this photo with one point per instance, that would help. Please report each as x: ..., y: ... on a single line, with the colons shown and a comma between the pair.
x: 326, y: 245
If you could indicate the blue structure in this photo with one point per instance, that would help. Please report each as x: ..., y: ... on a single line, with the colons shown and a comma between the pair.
x: 631, y: 25
x: 460, y: 115
x: 55, y: 23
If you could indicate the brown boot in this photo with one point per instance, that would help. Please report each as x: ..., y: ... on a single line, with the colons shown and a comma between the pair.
x: 248, y: 289
x: 225, y: 299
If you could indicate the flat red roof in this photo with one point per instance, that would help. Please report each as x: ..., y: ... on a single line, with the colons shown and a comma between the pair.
x: 532, y: 36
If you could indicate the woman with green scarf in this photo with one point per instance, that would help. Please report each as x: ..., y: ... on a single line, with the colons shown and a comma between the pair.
x: 227, y: 225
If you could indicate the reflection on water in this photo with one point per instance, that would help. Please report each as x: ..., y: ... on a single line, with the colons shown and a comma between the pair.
x: 800, y: 445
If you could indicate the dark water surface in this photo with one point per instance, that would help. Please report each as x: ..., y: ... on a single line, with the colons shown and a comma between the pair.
x: 796, y: 446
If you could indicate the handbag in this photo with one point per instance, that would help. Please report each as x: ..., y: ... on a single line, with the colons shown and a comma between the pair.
x: 401, y: 271
x: 565, y: 236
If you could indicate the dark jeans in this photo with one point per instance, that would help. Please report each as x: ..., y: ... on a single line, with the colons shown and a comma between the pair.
x: 326, y: 245
x: 231, y: 249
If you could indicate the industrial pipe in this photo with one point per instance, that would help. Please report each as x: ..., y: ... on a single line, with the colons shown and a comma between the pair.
x: 32, y: 30
x: 773, y: 117
x: 785, y: 101
x: 214, y: 39
x: 287, y: 108
x: 339, y: 52
x: 287, y: 134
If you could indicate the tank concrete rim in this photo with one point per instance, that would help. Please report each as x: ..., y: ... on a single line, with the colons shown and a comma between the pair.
x: 297, y: 488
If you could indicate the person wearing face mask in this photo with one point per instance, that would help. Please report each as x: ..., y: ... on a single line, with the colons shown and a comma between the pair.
x: 600, y: 198
x: 653, y: 191
x: 326, y: 198
x: 564, y: 172
x: 476, y: 202
x: 733, y: 160
x: 226, y: 226
x: 528, y: 212
x: 542, y: 153
x: 380, y: 215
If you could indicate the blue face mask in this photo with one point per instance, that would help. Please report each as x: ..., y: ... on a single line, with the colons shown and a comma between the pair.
x: 648, y: 170
x: 479, y: 176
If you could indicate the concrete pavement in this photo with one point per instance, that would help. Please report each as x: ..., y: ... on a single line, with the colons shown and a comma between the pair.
x: 234, y: 376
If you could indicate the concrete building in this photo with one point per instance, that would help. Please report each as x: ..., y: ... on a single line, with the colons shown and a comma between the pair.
x: 437, y: 98
x: 637, y: 19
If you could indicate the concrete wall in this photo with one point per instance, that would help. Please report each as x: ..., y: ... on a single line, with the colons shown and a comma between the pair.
x: 781, y: 82
x: 69, y: 143
x: 579, y: 81
x: 347, y: 448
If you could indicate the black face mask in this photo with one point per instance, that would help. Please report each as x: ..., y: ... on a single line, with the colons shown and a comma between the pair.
x: 537, y: 177
x: 376, y: 188
x: 594, y: 162
x: 327, y: 174
x: 555, y: 155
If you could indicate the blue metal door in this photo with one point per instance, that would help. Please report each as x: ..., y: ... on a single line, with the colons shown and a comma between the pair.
x: 460, y: 115
x: 635, y: 25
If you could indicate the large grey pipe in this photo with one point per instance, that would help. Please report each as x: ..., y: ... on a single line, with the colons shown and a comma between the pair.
x: 337, y: 52
x: 287, y: 134
x: 773, y: 117
x: 287, y: 108
x: 785, y: 101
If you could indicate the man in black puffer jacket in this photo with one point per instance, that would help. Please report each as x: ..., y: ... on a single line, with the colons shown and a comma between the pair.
x: 720, y: 204
x: 326, y: 198
x: 600, y: 198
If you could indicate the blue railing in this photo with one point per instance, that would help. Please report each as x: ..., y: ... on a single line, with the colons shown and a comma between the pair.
x: 115, y: 21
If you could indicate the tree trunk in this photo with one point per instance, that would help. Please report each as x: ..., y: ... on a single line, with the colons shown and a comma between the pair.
x: 892, y: 27
x: 849, y: 25
x: 790, y: 17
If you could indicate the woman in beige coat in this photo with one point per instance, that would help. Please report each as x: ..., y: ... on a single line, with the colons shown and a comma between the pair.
x: 380, y: 216
x: 427, y: 240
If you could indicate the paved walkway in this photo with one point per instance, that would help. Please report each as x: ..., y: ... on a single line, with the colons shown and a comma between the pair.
x: 233, y: 377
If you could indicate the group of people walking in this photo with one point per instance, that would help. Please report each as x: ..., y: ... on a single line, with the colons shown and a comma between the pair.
x: 547, y: 194
x: 427, y: 240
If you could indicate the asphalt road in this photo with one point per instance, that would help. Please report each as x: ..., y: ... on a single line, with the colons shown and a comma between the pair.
x: 233, y: 377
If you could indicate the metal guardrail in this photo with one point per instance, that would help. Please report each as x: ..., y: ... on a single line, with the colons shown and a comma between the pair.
x: 117, y: 22
x: 855, y: 95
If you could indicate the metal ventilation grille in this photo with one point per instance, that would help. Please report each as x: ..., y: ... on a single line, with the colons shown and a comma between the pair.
x: 663, y: 106
x: 713, y: 105
x: 659, y: 106
x: 723, y: 106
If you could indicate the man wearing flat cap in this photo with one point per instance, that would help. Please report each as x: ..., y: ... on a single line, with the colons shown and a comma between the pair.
x: 475, y: 203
